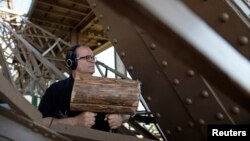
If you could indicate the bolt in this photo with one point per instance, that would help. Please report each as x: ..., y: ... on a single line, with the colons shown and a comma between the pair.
x: 224, y: 17
x: 149, y: 98
x: 243, y: 40
x: 158, y: 115
x: 164, y: 63
x: 176, y: 82
x: 189, y: 101
x: 153, y: 46
x: 107, y: 28
x: 123, y: 54
x: 190, y: 73
x: 179, y: 128
x: 201, y: 121
x: 168, y: 132
x: 235, y: 110
x: 115, y: 41
x: 131, y: 68
x: 219, y: 116
x: 100, y: 16
x: 204, y: 94
x: 191, y: 124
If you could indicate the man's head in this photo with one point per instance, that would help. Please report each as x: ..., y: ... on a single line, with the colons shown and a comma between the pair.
x: 80, y: 59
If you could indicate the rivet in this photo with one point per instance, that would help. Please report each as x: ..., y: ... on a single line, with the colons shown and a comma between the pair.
x: 115, y: 41
x: 179, y: 128
x: 204, y: 94
x: 176, y: 82
x: 219, y: 116
x: 158, y: 115
x: 224, y: 17
x: 191, y: 73
x: 107, y: 28
x: 164, y: 63
x: 243, y: 40
x: 123, y: 54
x: 235, y: 110
x: 131, y: 68
x: 94, y: 5
x: 153, y: 46
x: 168, y: 132
x: 149, y: 98
x: 100, y: 16
x: 201, y: 121
x: 189, y: 101
x: 191, y: 124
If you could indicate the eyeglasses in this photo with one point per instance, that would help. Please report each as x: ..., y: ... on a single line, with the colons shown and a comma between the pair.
x: 88, y: 58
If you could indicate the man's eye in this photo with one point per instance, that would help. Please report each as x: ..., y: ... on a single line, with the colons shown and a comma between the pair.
x: 88, y: 57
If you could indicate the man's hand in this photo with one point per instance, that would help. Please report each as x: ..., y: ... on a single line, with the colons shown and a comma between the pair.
x: 114, y: 120
x: 85, y: 119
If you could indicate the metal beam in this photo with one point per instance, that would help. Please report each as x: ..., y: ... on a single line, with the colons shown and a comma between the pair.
x: 174, y: 18
x: 80, y: 133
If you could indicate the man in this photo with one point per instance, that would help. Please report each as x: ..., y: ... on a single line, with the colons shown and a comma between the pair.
x: 55, y: 103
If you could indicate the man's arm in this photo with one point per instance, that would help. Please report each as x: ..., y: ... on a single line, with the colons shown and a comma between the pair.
x: 85, y: 119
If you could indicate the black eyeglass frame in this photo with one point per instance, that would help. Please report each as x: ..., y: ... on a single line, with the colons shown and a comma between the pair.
x: 88, y: 58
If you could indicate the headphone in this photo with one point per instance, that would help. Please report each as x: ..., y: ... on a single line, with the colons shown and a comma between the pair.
x: 71, y: 57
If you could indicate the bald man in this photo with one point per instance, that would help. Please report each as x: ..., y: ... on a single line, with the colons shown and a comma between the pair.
x: 55, y: 104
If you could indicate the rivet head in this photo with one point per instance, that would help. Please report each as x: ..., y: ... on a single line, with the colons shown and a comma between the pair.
x: 131, y: 68
x: 189, y: 101
x: 94, y: 5
x: 115, y: 41
x: 123, y: 54
x: 158, y: 115
x: 149, y: 98
x: 153, y: 46
x: 219, y: 116
x: 100, y: 16
x: 201, y: 121
x: 107, y: 28
x: 179, y: 128
x: 168, y: 132
x: 243, y: 40
x: 164, y: 63
x: 191, y: 124
x: 190, y: 73
x: 176, y: 82
x: 235, y: 110
x: 224, y: 17
x: 204, y: 94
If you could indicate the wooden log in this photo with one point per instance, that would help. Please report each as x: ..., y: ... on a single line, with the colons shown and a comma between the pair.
x: 103, y: 108
x: 98, y: 94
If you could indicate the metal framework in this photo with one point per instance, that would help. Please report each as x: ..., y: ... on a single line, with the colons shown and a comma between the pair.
x: 30, y: 55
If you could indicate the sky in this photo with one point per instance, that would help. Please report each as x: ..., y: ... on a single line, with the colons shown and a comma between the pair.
x: 21, y: 6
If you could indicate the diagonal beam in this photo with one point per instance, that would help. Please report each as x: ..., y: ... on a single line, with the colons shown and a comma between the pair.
x: 39, y: 56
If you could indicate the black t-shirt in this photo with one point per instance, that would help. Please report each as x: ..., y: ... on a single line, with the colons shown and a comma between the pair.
x: 56, y: 103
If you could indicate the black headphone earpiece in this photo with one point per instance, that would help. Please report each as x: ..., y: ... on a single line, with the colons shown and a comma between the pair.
x: 71, y: 57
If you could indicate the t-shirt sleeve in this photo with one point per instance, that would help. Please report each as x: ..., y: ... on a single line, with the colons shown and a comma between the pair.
x: 46, y: 106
